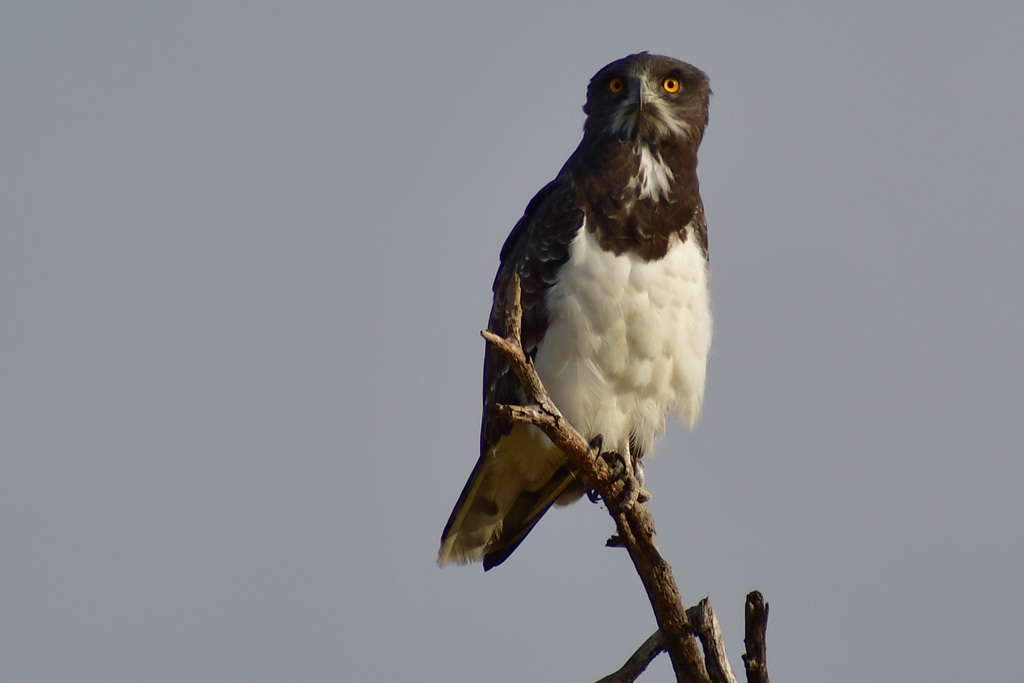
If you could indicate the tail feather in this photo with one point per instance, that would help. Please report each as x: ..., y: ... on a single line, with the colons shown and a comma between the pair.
x: 494, y: 515
x: 524, y: 515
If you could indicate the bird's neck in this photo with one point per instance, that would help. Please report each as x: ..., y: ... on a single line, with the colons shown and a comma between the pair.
x: 636, y: 196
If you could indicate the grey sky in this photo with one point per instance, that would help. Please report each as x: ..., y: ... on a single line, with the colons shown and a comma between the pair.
x: 245, y: 252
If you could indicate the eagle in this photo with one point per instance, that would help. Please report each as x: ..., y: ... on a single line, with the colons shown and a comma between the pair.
x: 612, y: 257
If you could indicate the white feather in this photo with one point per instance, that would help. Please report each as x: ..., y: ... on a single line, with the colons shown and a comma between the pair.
x: 628, y: 340
x: 655, y: 178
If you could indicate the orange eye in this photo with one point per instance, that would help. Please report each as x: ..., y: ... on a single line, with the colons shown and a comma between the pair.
x: 671, y: 85
x: 616, y: 85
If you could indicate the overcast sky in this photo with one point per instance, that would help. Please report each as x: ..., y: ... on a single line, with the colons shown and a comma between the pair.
x: 245, y: 254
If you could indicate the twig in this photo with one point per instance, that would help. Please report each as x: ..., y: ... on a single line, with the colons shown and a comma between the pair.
x: 634, y: 525
x: 755, y: 658
x: 637, y: 664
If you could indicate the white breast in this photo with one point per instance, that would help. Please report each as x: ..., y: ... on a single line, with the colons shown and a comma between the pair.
x: 628, y: 340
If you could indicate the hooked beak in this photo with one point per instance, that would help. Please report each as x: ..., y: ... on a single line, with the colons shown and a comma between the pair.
x: 644, y: 95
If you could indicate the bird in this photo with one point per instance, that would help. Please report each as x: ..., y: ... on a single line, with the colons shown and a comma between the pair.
x: 612, y: 259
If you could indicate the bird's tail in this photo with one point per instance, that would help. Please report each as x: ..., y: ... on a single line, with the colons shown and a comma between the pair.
x: 495, y: 513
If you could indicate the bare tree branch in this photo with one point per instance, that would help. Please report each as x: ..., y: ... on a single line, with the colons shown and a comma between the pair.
x: 706, y: 625
x: 637, y: 664
x: 755, y: 659
x: 634, y: 524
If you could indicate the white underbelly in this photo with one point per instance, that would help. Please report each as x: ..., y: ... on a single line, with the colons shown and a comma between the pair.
x: 628, y: 340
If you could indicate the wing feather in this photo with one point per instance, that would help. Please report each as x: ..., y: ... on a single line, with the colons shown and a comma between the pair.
x: 497, y: 509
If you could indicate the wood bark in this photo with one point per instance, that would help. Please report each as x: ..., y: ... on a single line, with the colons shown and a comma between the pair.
x: 755, y: 659
x: 710, y: 633
x: 637, y: 664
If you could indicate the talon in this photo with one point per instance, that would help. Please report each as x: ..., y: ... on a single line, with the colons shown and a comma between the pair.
x: 633, y: 490
x: 624, y: 468
x: 630, y: 494
x: 618, y: 463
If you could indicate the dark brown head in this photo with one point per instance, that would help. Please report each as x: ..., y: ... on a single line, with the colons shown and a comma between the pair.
x: 647, y: 98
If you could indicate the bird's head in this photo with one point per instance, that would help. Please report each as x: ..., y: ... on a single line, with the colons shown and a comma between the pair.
x: 648, y: 98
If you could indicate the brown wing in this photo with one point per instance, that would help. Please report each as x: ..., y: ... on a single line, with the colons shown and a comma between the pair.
x: 480, y: 526
x: 536, y: 249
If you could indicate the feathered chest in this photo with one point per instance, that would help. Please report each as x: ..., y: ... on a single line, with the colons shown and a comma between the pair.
x: 628, y: 338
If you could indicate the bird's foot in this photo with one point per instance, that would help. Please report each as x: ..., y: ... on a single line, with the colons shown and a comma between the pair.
x: 633, y: 490
x: 629, y: 471
x: 617, y: 463
x: 611, y: 459
x: 630, y: 494
x: 624, y: 468
x: 642, y: 494
x: 619, y: 471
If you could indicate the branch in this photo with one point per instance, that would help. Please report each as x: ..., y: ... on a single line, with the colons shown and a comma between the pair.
x: 706, y: 624
x: 755, y: 659
x: 636, y: 664
x: 634, y: 524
